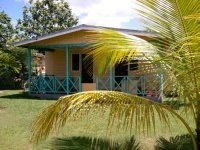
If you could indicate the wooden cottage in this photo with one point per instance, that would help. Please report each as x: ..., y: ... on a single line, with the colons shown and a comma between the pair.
x: 66, y: 72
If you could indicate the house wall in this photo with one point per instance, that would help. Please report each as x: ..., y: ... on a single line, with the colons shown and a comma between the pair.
x: 55, y: 64
x: 55, y: 61
x: 75, y: 37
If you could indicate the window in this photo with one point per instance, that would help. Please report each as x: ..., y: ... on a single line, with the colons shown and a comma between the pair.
x: 75, y: 62
x: 134, y: 65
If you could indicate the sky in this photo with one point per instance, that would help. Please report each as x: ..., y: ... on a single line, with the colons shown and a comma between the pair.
x: 110, y: 13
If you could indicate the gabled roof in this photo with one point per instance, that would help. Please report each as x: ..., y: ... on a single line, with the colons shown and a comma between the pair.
x: 82, y: 27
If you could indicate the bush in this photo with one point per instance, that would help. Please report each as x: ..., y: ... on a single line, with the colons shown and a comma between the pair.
x: 87, y: 143
x: 180, y: 142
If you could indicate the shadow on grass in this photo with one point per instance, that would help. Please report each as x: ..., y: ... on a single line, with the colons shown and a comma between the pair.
x: 87, y: 143
x: 21, y: 95
x: 180, y: 142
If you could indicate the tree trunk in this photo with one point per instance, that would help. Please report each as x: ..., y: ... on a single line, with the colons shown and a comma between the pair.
x: 198, y: 126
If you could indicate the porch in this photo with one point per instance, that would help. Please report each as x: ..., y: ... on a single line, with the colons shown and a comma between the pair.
x: 140, y: 85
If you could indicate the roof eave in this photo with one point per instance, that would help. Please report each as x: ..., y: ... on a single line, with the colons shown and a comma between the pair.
x: 79, y: 28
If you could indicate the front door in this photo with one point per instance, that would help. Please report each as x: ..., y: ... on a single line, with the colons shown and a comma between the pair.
x: 87, y: 69
x: 121, y: 70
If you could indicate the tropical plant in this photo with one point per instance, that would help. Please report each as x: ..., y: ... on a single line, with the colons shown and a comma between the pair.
x: 176, y: 47
x: 181, y: 142
x: 88, y: 143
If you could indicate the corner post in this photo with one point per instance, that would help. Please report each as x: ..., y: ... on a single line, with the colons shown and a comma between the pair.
x: 29, y: 69
x: 111, y: 78
x: 80, y: 72
x: 67, y: 67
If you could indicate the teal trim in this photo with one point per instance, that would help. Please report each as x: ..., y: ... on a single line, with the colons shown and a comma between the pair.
x: 43, y: 47
x: 29, y: 69
x: 53, y: 84
x: 97, y: 83
x: 142, y: 85
x: 80, y: 72
x: 67, y: 67
x: 80, y: 84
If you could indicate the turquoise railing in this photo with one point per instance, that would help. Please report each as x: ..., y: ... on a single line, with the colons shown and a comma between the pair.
x: 55, y: 84
x: 142, y: 85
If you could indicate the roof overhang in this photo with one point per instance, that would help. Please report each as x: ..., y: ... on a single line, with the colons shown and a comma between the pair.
x: 79, y: 28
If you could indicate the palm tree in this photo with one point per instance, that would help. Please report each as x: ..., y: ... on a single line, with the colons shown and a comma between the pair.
x: 177, y: 49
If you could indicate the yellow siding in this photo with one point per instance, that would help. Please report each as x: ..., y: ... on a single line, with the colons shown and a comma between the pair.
x: 76, y: 37
x: 49, y: 63
x: 55, y: 63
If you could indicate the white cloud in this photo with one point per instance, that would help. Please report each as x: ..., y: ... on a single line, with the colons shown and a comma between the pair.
x: 111, y: 13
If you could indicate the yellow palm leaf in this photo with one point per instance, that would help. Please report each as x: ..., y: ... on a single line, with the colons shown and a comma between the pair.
x: 126, y: 111
x: 113, y: 47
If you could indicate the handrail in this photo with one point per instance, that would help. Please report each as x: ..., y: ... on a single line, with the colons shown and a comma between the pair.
x: 142, y: 85
x: 52, y: 84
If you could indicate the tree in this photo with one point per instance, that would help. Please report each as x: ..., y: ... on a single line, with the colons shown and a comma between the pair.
x: 43, y: 17
x: 177, y: 48
x: 8, y: 62
x: 6, y: 29
x: 12, y: 59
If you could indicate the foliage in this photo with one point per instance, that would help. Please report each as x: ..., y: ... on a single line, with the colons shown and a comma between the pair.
x: 45, y: 16
x: 119, y: 48
x: 40, y: 18
x: 180, y: 142
x: 6, y: 29
x: 11, y: 58
x: 88, y: 143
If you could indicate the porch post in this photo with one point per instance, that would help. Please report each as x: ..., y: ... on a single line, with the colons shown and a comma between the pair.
x: 80, y: 72
x: 67, y: 67
x: 29, y: 69
x: 111, y: 78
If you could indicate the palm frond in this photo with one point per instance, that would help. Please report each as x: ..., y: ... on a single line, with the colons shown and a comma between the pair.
x: 177, y: 22
x: 195, y: 16
x: 112, y: 47
x: 125, y: 111
x: 88, y: 143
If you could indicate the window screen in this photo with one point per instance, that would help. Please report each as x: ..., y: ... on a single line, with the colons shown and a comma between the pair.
x: 75, y: 61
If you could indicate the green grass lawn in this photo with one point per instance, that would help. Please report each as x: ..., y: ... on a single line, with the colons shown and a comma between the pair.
x: 18, y: 110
